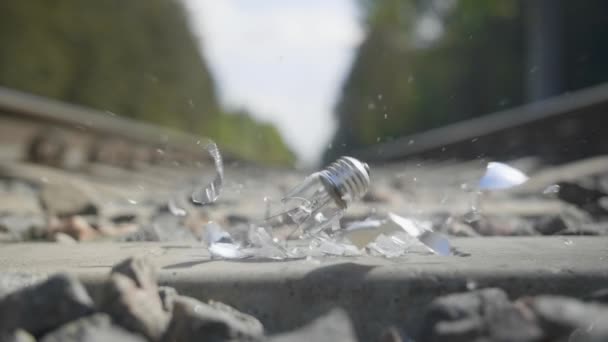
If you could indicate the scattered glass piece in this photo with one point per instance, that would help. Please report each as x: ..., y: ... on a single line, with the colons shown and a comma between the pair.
x: 500, y: 176
x: 388, y: 246
x: 227, y: 250
x: 361, y: 233
x: 211, y: 192
x: 327, y: 246
x: 331, y: 248
x: 436, y: 242
x: 406, y: 224
x: 471, y: 216
x: 365, y: 224
x: 174, y: 208
x: 215, y: 233
x: 262, y: 245
x: 551, y: 189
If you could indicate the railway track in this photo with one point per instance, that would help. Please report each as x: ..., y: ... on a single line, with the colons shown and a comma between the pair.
x: 54, y: 133
x: 376, y: 293
x: 557, y: 130
x: 89, y: 198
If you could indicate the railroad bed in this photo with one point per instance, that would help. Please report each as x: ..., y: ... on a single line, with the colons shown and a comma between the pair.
x: 376, y: 292
x: 58, y: 190
x: 104, y: 202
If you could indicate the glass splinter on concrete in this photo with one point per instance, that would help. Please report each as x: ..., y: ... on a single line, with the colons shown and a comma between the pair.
x: 361, y: 233
x: 325, y: 245
x: 221, y: 245
x: 215, y: 233
x: 211, y: 192
x: 226, y: 250
x: 262, y: 245
x: 437, y: 243
x: 388, y: 246
x: 500, y: 176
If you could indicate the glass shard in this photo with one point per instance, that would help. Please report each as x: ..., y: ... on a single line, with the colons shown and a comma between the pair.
x: 215, y: 233
x: 437, y: 243
x: 551, y: 189
x: 500, y: 176
x: 211, y: 192
x: 226, y: 250
x: 388, y: 246
x: 174, y: 208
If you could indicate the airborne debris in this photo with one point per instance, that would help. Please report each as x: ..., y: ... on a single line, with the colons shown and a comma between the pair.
x: 207, y: 194
x: 551, y: 189
x: 212, y: 191
x: 500, y: 176
x: 174, y: 208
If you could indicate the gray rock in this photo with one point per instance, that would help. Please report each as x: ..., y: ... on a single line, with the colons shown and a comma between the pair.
x: 561, y: 317
x: 95, y: 328
x: 16, y: 336
x: 193, y: 320
x: 583, y: 196
x: 503, y: 226
x: 131, y: 297
x: 13, y: 281
x: 393, y: 334
x: 67, y: 199
x: 457, y: 228
x: 483, y: 315
x: 19, y: 227
x: 18, y: 198
x: 597, y: 228
x: 167, y: 296
x: 599, y: 296
x: 335, y: 326
x: 550, y: 225
x: 53, y: 302
x: 140, y: 270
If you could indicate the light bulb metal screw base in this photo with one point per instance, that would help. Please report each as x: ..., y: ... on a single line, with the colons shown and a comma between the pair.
x: 346, y: 180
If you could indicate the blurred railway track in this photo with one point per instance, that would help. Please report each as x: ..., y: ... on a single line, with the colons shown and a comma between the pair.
x: 53, y: 133
x: 561, y: 129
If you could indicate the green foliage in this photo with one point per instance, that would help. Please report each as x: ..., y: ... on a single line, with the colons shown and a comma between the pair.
x: 135, y: 58
x: 399, y: 85
x: 480, y: 64
x: 243, y: 136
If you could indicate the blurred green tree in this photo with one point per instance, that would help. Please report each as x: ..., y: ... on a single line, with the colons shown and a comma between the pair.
x: 134, y: 58
x: 425, y: 64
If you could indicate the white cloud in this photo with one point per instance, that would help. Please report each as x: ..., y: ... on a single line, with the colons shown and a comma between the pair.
x: 283, y: 60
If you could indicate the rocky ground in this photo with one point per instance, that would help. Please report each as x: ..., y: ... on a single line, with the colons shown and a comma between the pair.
x: 130, y: 306
x: 101, y: 202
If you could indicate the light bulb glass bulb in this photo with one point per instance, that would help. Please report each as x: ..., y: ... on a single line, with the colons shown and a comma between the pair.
x: 320, y: 200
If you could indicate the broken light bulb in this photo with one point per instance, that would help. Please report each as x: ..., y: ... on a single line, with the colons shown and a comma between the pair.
x: 320, y: 200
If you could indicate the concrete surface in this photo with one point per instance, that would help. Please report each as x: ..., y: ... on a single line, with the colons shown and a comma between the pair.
x: 375, y: 291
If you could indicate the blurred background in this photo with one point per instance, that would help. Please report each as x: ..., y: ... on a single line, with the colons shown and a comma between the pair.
x: 299, y: 83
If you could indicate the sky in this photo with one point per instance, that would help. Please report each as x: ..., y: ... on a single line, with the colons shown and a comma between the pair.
x: 284, y: 61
